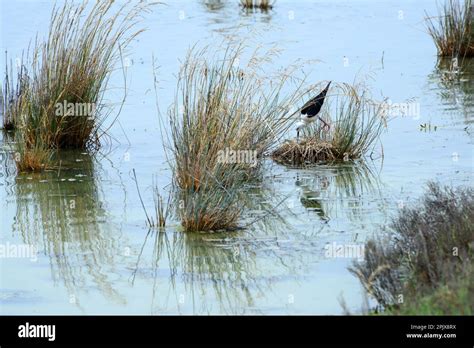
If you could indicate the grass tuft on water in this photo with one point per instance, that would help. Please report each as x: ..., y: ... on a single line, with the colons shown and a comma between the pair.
x: 224, y: 119
x: 56, y: 100
x: 453, y: 29
x: 356, y: 122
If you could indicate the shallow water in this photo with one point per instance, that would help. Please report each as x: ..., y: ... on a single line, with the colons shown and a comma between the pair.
x: 95, y: 254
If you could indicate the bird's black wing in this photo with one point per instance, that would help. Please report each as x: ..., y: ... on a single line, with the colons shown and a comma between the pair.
x: 313, y: 107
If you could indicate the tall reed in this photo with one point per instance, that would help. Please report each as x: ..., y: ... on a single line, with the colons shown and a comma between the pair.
x: 221, y: 108
x: 13, y: 87
x: 358, y: 122
x: 58, y: 98
x: 453, y: 29
x: 162, y: 209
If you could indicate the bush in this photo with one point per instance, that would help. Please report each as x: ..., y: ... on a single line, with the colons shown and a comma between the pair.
x: 431, y: 247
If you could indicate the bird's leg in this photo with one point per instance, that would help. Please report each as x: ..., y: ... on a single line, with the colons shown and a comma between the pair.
x: 326, y: 126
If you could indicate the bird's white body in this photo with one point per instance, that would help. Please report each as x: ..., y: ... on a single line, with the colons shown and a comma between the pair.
x: 304, y: 121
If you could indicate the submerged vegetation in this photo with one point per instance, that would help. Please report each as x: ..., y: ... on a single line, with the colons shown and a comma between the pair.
x: 356, y: 122
x: 426, y: 265
x: 453, y: 29
x: 224, y: 118
x: 56, y: 100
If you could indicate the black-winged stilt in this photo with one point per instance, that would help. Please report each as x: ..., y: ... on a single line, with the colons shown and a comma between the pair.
x: 310, y: 110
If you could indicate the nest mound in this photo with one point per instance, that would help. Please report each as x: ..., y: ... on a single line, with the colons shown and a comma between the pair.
x: 307, y: 151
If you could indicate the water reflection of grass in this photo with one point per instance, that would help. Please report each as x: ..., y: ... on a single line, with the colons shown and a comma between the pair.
x: 331, y: 190
x: 456, y: 84
x: 214, y: 5
x: 223, y: 272
x: 62, y: 213
x: 265, y: 211
x: 228, y: 272
x: 211, y: 269
x: 262, y: 5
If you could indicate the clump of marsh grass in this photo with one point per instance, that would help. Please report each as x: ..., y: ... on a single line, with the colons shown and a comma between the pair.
x: 453, y: 30
x: 57, y: 99
x: 263, y: 5
x: 215, y: 209
x: 32, y: 158
x: 220, y: 107
x: 429, y: 252
x: 356, y: 122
